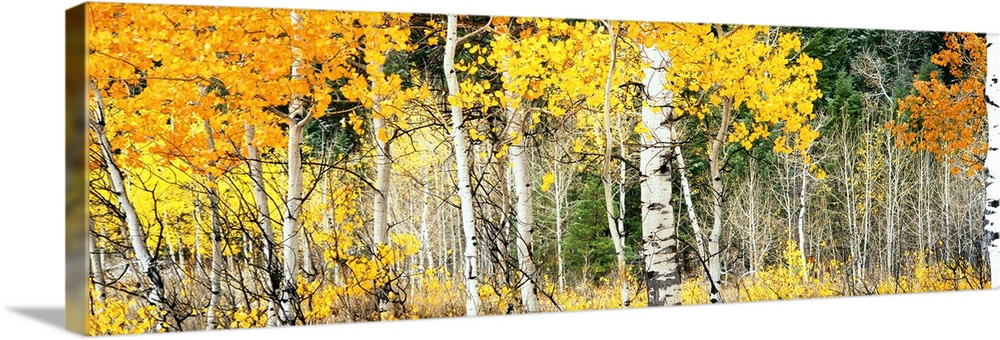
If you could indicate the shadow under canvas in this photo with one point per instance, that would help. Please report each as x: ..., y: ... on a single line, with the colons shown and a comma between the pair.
x: 53, y: 316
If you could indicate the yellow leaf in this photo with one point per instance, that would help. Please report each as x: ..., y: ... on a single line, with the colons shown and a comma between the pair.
x: 547, y: 180
x: 517, y: 139
x: 640, y: 128
x: 383, y: 135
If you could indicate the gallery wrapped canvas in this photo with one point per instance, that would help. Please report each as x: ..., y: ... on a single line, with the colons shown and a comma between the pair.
x: 264, y: 167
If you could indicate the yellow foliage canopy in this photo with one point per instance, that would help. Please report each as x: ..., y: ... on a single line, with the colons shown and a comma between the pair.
x: 755, y: 69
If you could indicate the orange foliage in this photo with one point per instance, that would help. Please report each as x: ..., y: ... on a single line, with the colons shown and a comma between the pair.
x: 163, y: 89
x: 948, y: 119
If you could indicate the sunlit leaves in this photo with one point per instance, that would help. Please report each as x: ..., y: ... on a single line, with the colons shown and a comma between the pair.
x: 547, y: 181
x: 786, y: 279
x: 948, y: 118
x: 166, y: 93
x: 118, y: 317
x: 767, y: 80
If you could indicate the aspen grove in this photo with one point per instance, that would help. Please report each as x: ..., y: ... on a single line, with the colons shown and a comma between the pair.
x: 255, y: 167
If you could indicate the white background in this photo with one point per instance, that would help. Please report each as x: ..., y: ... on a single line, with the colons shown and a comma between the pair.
x: 32, y: 195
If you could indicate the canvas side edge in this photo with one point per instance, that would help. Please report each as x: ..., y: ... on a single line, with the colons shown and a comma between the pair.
x: 76, y: 266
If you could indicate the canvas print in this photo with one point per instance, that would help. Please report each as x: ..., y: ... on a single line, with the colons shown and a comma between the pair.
x: 262, y: 167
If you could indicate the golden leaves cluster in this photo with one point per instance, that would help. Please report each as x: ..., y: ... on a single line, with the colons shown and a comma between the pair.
x: 238, y: 71
x: 758, y: 72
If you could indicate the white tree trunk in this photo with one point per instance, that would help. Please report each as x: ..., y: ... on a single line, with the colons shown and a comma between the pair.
x: 296, y: 120
x: 559, y: 187
x: 866, y: 215
x: 264, y: 223
x: 715, y: 166
x: 383, y: 167
x: 802, y: 210
x: 924, y: 241
x: 946, y: 172
x: 892, y: 186
x: 501, y: 234
x: 525, y: 221
x: 96, y: 264
x: 216, y: 269
x: 848, y: 167
x: 307, y: 264
x: 752, y: 215
x: 136, y: 234
x: 197, y: 241
x: 290, y: 227
x: 462, y: 166
x: 614, y: 228
x: 659, y: 234
x: 525, y: 214
x: 297, y: 117
x: 559, y: 220
x: 426, y: 260
x: 620, y: 248
x: 991, y: 226
x: 802, y: 214
x: 686, y: 191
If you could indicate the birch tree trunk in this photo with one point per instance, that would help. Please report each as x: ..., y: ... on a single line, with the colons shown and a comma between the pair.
x: 752, y: 215
x: 715, y: 166
x: 197, y: 238
x: 560, y: 186
x: 96, y: 264
x: 216, y: 269
x: 501, y: 233
x: 462, y: 167
x: 848, y: 176
x: 802, y: 215
x: 804, y: 186
x: 559, y: 219
x: 686, y: 191
x: 891, y: 188
x: 525, y: 221
x: 382, y: 172
x: 620, y: 256
x: 307, y: 264
x: 136, y: 234
x: 425, y: 214
x: 264, y: 223
x: 290, y: 226
x: 297, y: 117
x: 659, y: 234
x: 613, y: 227
x: 382, y: 168
x: 991, y: 227
x: 866, y: 214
